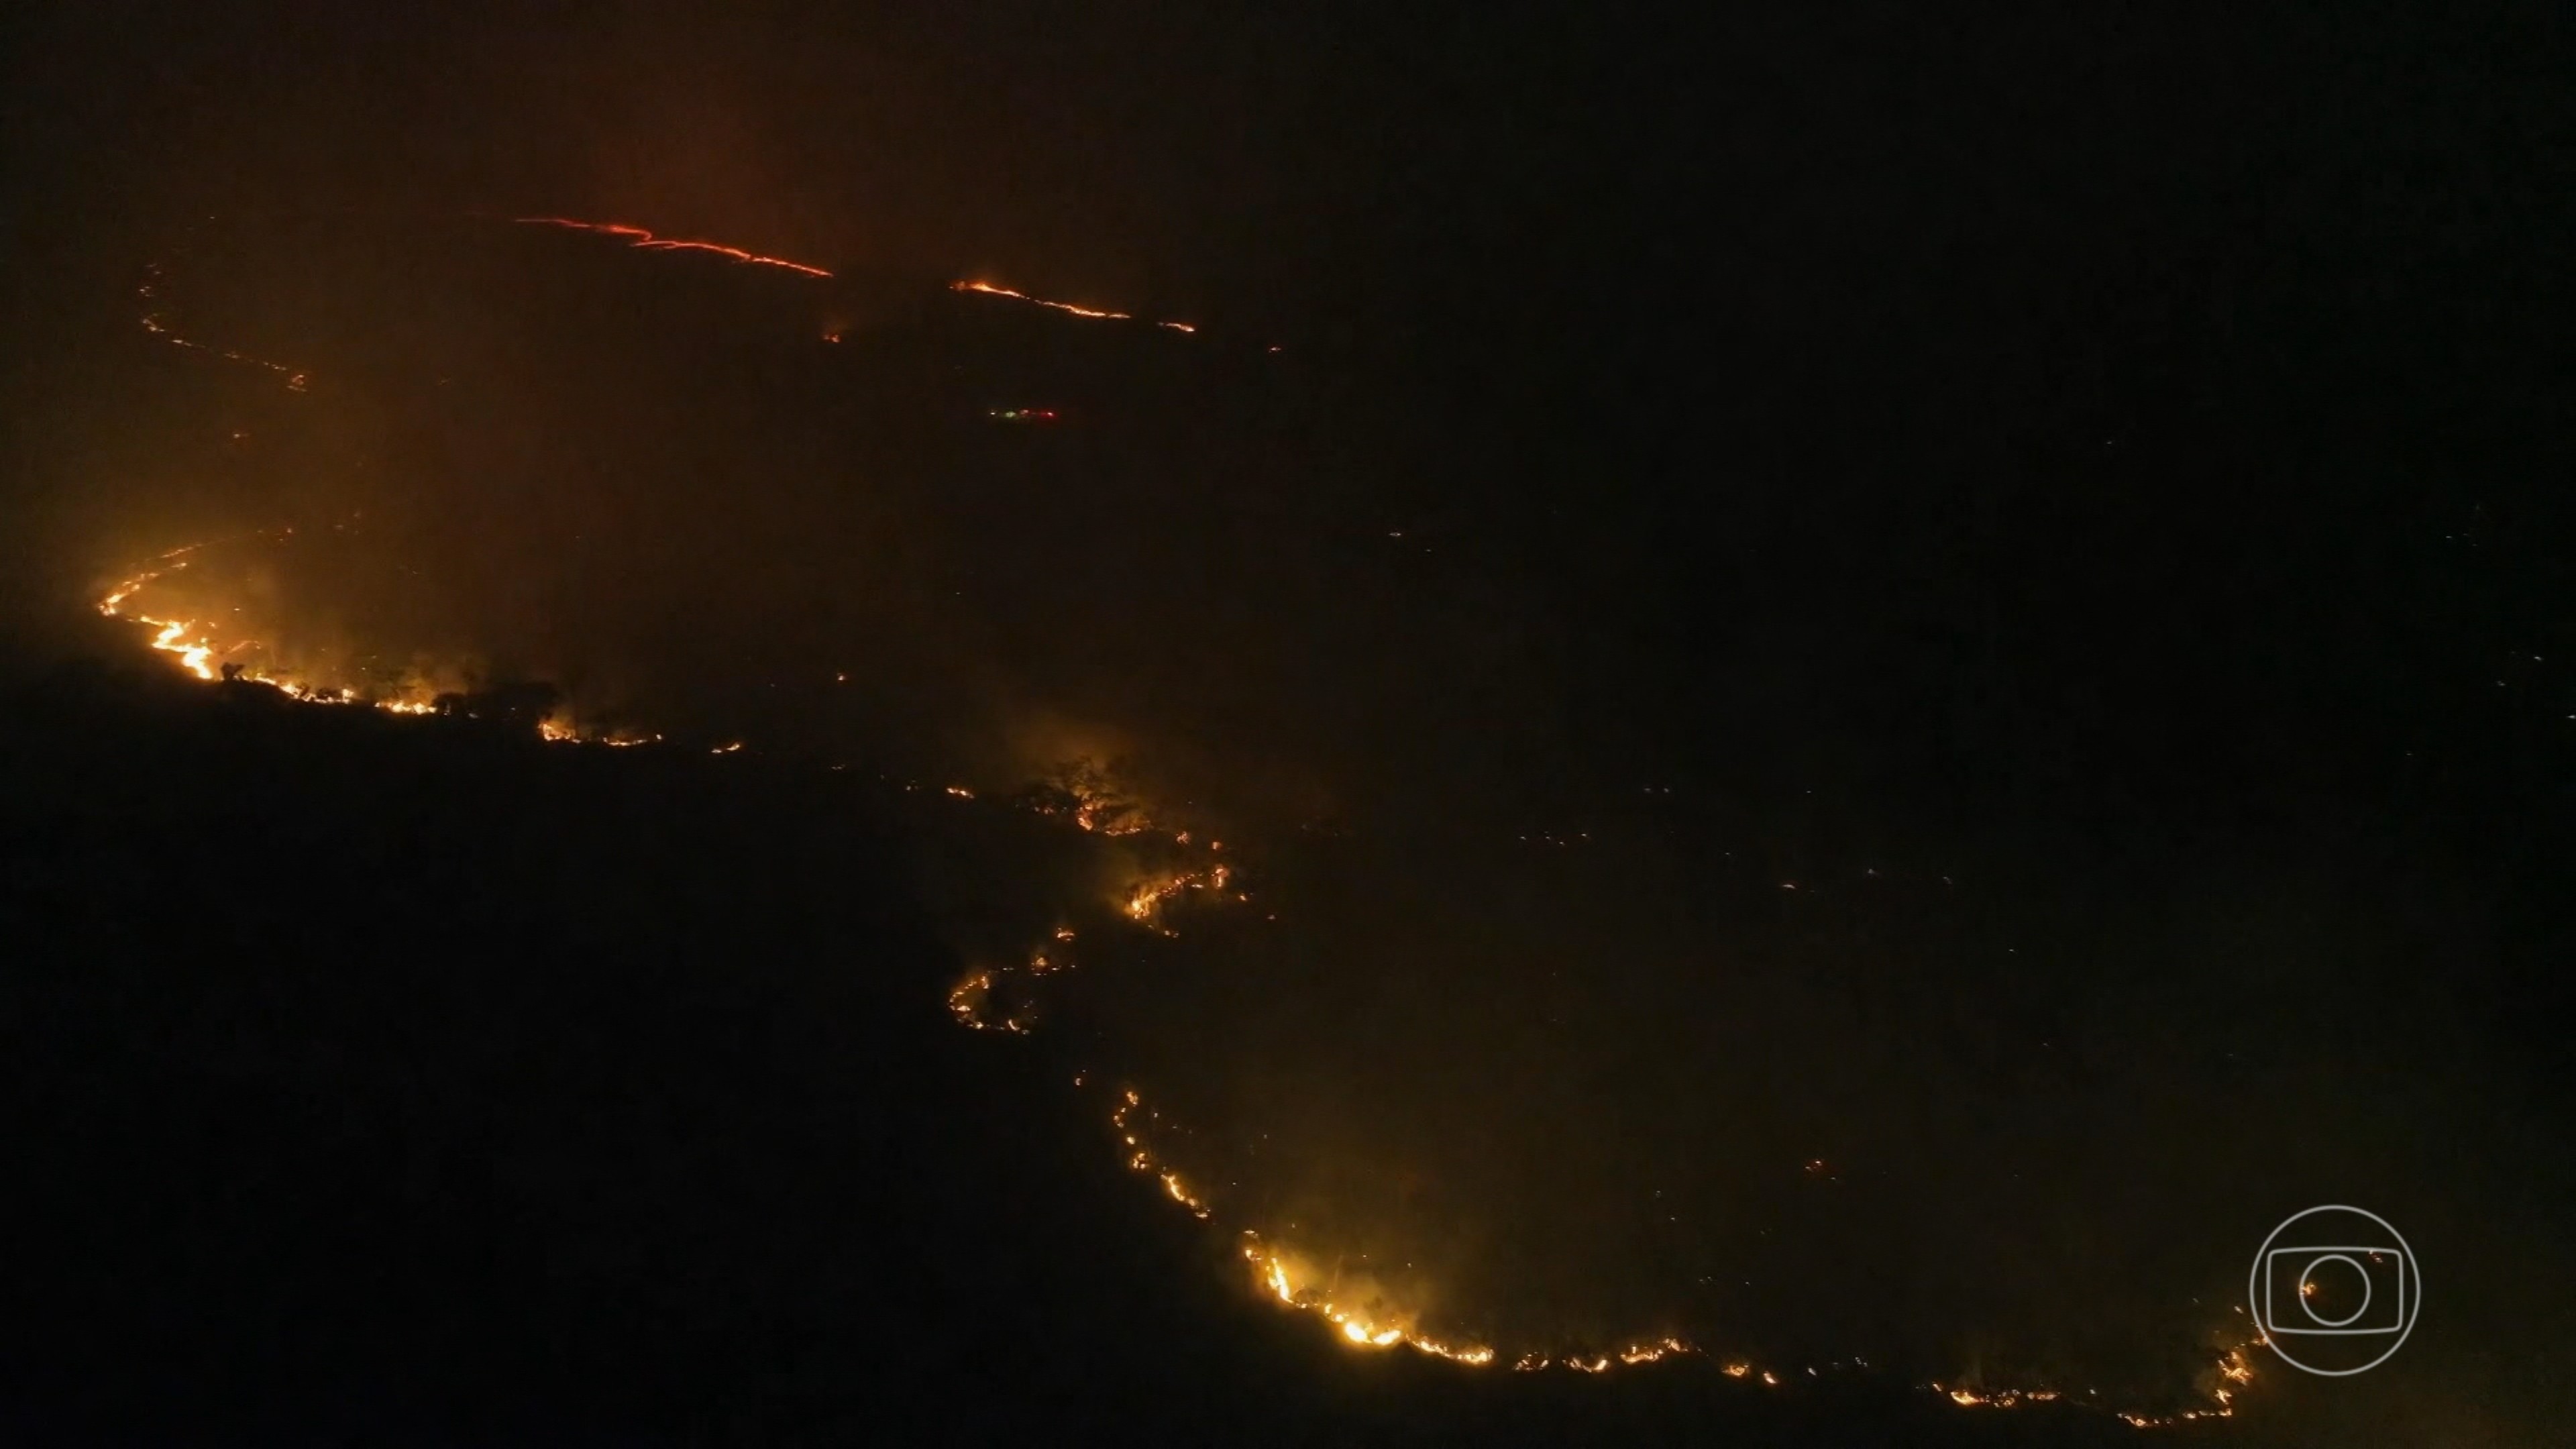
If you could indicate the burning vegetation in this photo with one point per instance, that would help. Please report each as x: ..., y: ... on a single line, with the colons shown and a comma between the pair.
x: 1165, y: 875
x: 1160, y: 881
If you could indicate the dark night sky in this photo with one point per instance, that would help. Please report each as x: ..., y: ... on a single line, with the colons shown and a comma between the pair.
x: 2049, y: 496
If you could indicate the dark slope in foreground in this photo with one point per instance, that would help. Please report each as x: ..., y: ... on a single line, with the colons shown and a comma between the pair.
x: 399, y: 1081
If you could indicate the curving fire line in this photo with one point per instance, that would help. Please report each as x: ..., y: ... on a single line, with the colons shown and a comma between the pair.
x: 1144, y: 904
x: 195, y: 650
x: 1093, y: 807
x: 980, y: 1003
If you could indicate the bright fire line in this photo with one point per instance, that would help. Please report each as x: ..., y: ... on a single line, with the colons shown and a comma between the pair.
x: 645, y: 240
x: 1141, y: 904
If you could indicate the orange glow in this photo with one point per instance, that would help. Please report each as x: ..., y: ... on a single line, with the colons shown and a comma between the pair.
x: 977, y: 1002
x: 1271, y: 1270
x: 644, y: 240
x: 248, y: 661
x: 1275, y: 1268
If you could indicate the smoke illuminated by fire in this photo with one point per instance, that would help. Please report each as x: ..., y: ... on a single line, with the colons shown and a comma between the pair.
x: 1005, y: 999
x: 197, y: 650
x: 1169, y: 876
x: 179, y: 638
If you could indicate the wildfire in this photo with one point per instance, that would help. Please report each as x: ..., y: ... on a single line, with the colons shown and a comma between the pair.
x: 192, y: 657
x: 171, y: 636
x: 1270, y: 1269
x: 157, y: 324
x: 2003, y: 1399
x: 1102, y: 314
x: 195, y: 650
x: 989, y: 290
x: 1144, y: 902
x: 1141, y: 1157
x: 1093, y: 807
x: 966, y: 1003
x: 644, y: 240
x: 1183, y: 1196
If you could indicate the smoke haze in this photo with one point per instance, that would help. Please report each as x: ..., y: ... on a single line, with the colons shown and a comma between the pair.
x: 1779, y: 824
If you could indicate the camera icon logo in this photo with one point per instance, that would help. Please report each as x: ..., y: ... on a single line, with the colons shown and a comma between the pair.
x: 2335, y: 1290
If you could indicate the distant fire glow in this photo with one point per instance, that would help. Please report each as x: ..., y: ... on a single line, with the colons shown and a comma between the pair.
x: 989, y: 290
x: 640, y: 238
x: 643, y: 239
x: 157, y: 322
